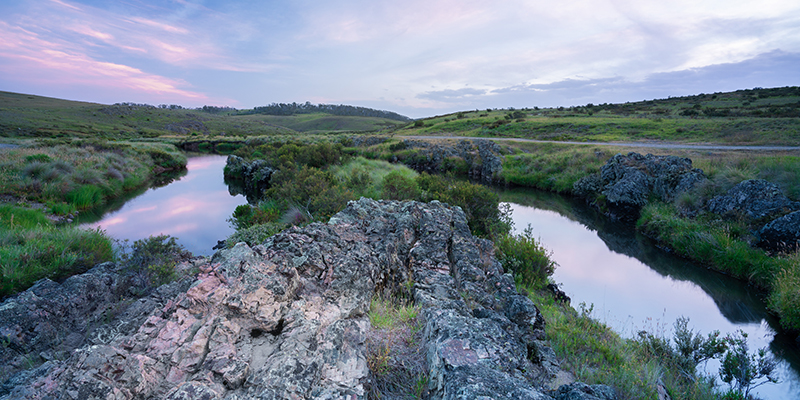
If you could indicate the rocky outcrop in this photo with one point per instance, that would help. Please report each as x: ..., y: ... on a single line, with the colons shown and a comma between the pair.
x: 247, y: 177
x: 625, y: 184
x: 483, y: 158
x: 288, y: 319
x: 755, y: 199
x: 782, y: 234
x: 49, y: 320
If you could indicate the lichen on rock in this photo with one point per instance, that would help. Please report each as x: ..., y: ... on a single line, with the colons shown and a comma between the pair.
x: 288, y: 318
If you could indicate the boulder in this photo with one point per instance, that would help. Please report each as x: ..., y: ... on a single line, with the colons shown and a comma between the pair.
x: 627, y: 182
x: 755, y: 199
x: 483, y: 157
x: 247, y: 177
x: 288, y: 318
x: 782, y: 234
x: 582, y: 391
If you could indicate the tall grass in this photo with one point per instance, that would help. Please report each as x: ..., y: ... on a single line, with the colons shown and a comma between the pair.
x: 33, y: 250
x: 553, y: 167
x: 82, y: 175
x: 717, y: 243
x: 598, y: 355
x: 785, y: 296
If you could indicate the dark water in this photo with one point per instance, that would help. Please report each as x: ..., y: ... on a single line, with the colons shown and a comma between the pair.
x: 192, y: 206
x: 633, y: 285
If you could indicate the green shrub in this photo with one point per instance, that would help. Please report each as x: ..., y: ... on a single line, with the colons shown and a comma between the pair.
x: 152, y: 261
x: 397, y: 186
x: 256, y: 234
x: 523, y: 256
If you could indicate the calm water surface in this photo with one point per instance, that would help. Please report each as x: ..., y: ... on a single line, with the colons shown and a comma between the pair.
x: 635, y: 286
x: 193, y: 207
x: 631, y: 283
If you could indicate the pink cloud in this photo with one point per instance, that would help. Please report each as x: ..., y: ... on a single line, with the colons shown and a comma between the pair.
x: 159, y: 25
x: 30, y: 58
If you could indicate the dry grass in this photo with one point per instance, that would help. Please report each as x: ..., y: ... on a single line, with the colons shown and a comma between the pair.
x: 395, y: 352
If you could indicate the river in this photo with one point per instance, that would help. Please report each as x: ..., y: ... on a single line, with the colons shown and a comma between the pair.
x: 194, y: 207
x: 632, y: 284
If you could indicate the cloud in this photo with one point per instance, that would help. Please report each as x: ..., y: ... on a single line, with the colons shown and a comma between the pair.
x: 448, y: 94
x: 30, y: 58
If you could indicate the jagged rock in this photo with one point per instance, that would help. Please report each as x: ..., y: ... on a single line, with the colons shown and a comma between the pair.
x: 288, y: 319
x: 626, y: 182
x: 252, y: 177
x: 49, y: 320
x: 755, y: 199
x: 483, y: 157
x: 782, y: 234
x: 366, y: 141
x: 582, y: 391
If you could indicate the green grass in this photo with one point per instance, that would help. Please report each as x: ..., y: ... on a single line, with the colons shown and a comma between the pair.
x: 598, y: 355
x: 553, y: 167
x: 28, y: 116
x: 785, y: 296
x: 395, y: 354
x: 76, y: 175
x: 365, y: 176
x: 759, y: 116
x: 31, y: 249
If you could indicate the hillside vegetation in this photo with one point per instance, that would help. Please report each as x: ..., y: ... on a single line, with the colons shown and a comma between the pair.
x: 744, y: 117
x: 28, y: 116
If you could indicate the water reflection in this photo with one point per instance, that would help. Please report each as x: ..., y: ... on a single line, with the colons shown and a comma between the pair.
x: 634, y: 285
x: 193, y: 206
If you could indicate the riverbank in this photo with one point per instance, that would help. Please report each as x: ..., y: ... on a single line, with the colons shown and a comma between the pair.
x: 50, y: 183
x: 557, y: 167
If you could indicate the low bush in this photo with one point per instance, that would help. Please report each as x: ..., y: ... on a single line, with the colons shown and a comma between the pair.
x: 397, y: 186
x: 523, y: 256
x: 255, y: 235
x: 151, y: 261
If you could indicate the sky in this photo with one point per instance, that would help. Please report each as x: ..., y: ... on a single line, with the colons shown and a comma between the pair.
x: 416, y: 57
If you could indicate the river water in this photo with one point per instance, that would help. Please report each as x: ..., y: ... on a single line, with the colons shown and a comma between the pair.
x: 632, y: 284
x: 193, y: 206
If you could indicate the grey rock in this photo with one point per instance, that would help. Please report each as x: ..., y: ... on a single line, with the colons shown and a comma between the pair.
x: 782, y: 234
x: 288, y: 319
x: 755, y: 199
x: 626, y: 182
x: 247, y: 177
x: 582, y: 391
x: 483, y: 157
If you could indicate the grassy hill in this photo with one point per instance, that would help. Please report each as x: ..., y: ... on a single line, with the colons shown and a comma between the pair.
x: 28, y: 116
x: 745, y: 117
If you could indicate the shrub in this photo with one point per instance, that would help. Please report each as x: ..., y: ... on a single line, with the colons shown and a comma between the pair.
x: 152, y: 261
x: 397, y: 186
x: 523, y: 256
x: 255, y: 234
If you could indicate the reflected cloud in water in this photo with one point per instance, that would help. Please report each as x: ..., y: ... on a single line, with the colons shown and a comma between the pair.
x: 634, y: 286
x: 194, y: 208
